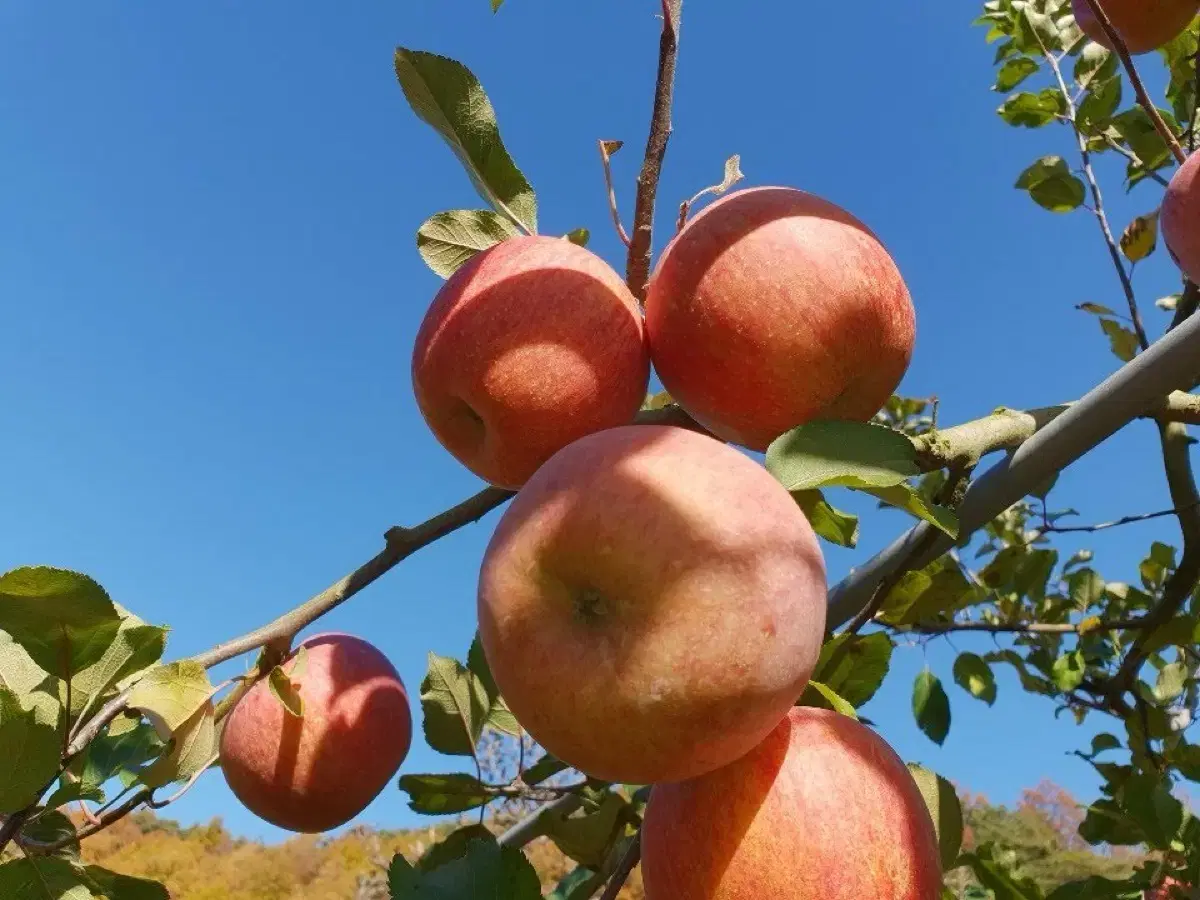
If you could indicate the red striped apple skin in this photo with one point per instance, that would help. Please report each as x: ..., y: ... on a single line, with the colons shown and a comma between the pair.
x: 823, y: 809
x: 315, y: 772
x: 1179, y: 218
x: 529, y: 345
x: 1144, y: 25
x: 773, y: 308
x: 651, y: 604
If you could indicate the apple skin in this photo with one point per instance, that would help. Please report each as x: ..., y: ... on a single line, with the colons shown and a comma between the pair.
x: 823, y: 809
x: 1179, y: 217
x: 651, y: 603
x: 529, y: 345
x: 774, y: 307
x: 1144, y: 25
x: 319, y: 771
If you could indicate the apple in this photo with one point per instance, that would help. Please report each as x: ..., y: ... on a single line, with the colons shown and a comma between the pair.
x: 1179, y: 217
x: 651, y: 603
x: 314, y: 772
x: 1143, y: 25
x: 529, y: 345
x: 823, y: 809
x: 773, y: 307
x: 1168, y: 889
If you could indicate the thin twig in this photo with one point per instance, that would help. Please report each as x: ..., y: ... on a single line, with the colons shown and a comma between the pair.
x: 109, y: 818
x: 637, y: 268
x: 607, y: 149
x: 629, y: 861
x: 1104, y: 526
x: 12, y: 824
x: 1118, y: 44
x: 1133, y: 158
x: 1098, y: 203
x: 532, y: 826
x: 1021, y: 627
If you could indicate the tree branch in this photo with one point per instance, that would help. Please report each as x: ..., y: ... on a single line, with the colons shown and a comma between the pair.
x: 104, y: 821
x: 12, y: 824
x: 531, y: 827
x: 1135, y: 79
x: 1104, y: 526
x: 607, y: 149
x: 624, y: 869
x: 637, y: 268
x: 1085, y: 156
x: 1020, y: 627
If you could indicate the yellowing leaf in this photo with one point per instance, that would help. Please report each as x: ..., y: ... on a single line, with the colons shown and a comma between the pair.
x: 170, y: 694
x: 1140, y: 237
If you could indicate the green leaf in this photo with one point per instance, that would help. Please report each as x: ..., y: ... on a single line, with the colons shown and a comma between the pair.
x: 854, y: 665
x: 1139, y: 134
x: 589, y: 837
x: 285, y: 691
x: 1085, y: 588
x: 1051, y: 185
x: 192, y: 748
x: 1032, y: 110
x: 924, y: 594
x: 29, y: 749
x: 1123, y: 342
x: 453, y: 846
x: 1151, y: 805
x: 70, y: 791
x: 64, y: 621
x: 486, y: 871
x: 1105, y: 823
x: 30, y: 682
x: 1095, y: 63
x: 579, y: 236
x: 931, y: 706
x: 456, y: 705
x: 830, y: 523
x: 975, y: 676
x: 1069, y: 670
x: 1013, y: 72
x: 448, y: 97
x: 821, y: 695
x: 124, y: 887
x: 117, y: 756
x: 44, y: 878
x: 448, y: 239
x: 853, y: 454
x: 496, y: 4
x: 435, y: 795
x: 50, y: 827
x: 997, y: 877
x: 574, y: 884
x: 1096, y: 309
x: 1171, y: 681
x: 945, y: 810
x: 907, y: 498
x: 1099, y: 105
x: 170, y: 694
x: 135, y: 647
x: 499, y: 716
x: 546, y: 767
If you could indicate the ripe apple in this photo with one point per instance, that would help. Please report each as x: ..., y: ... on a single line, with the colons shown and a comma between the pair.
x: 773, y: 307
x: 651, y: 603
x: 823, y: 809
x: 1168, y: 889
x: 529, y: 345
x: 317, y: 771
x: 1143, y: 25
x: 1179, y: 217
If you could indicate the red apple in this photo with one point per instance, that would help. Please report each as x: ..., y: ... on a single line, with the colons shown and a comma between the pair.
x: 1143, y: 25
x: 1179, y: 218
x: 651, y: 603
x: 529, y: 345
x: 317, y: 771
x: 823, y: 809
x: 1168, y: 889
x: 774, y: 307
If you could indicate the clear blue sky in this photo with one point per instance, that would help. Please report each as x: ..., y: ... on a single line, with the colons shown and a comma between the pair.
x: 210, y: 290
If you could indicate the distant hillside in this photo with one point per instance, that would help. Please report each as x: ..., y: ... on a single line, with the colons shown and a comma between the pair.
x: 207, y: 863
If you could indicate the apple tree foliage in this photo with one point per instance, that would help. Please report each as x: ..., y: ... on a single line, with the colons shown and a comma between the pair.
x: 92, y: 717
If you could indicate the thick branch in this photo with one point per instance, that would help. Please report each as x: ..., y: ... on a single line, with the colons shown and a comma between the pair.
x: 637, y: 268
x: 1118, y: 44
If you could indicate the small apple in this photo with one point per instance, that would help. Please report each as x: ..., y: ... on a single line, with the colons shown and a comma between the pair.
x: 823, y: 809
x: 529, y: 345
x: 1143, y: 25
x: 1179, y: 218
x: 651, y: 603
x: 314, y: 772
x: 772, y: 308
